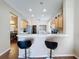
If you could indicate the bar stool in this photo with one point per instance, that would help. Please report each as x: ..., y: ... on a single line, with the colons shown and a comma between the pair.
x: 52, y: 46
x: 24, y: 45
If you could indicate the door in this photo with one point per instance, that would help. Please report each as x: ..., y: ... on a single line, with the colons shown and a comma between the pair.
x: 34, y: 29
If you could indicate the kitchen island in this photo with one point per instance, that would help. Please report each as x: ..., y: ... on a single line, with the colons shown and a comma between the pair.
x: 38, y: 48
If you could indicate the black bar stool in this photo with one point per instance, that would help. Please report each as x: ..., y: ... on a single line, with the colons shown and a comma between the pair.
x: 24, y: 45
x: 52, y: 46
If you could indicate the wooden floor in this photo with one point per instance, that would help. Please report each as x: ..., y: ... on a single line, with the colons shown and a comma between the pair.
x: 13, y: 54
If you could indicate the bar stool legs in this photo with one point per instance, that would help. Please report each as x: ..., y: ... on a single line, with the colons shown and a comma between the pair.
x: 51, y: 46
x: 24, y: 45
x: 25, y: 54
x: 50, y: 53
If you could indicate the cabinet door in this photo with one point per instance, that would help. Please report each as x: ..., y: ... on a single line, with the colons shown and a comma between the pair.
x: 60, y: 20
x: 58, y: 23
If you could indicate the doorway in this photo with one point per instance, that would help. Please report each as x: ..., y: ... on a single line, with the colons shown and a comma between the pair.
x: 13, y: 27
x: 34, y: 29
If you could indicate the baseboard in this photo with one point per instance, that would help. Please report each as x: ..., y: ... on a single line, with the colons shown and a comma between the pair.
x: 63, y: 55
x: 4, y: 52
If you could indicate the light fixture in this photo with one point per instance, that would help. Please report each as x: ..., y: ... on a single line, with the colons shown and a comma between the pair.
x: 32, y: 15
x: 30, y: 10
x: 42, y: 15
x: 12, y: 22
x: 44, y: 10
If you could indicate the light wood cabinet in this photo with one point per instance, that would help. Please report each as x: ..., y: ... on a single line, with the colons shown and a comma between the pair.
x: 58, y: 23
x: 24, y: 24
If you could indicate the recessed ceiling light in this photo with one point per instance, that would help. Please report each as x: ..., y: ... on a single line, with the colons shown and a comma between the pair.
x: 44, y: 10
x: 32, y: 15
x: 42, y: 15
x: 30, y: 10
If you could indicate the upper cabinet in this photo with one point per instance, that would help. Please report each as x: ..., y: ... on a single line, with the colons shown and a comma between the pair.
x: 24, y: 24
x: 57, y: 23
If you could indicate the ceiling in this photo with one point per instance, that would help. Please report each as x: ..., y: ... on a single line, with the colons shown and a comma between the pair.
x: 52, y: 6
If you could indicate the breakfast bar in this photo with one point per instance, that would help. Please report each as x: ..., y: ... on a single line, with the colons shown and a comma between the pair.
x: 38, y: 43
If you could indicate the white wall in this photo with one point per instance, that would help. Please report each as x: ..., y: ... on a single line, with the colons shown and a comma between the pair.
x: 4, y: 28
x: 68, y: 11
x: 76, y: 27
x: 5, y: 10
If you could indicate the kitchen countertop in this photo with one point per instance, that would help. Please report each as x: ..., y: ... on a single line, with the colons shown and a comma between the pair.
x: 40, y: 35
